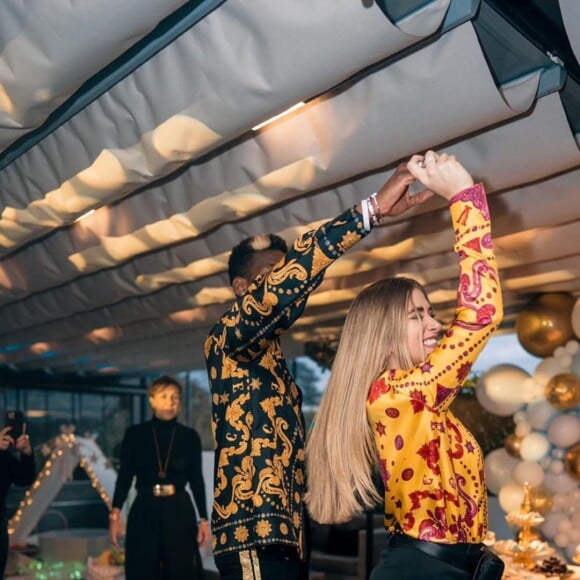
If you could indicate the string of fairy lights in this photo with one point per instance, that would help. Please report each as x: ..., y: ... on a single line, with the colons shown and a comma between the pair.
x: 61, y: 443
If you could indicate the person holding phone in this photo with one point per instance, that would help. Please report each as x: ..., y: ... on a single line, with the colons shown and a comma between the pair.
x: 16, y: 467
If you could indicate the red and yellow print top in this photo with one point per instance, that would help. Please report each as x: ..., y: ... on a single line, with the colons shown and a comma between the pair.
x: 431, y: 465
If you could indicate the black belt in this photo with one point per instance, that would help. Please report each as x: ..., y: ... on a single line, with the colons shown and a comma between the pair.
x: 464, y: 556
x: 161, y: 490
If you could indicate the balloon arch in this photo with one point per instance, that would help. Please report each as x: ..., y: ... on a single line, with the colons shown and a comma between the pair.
x: 544, y: 450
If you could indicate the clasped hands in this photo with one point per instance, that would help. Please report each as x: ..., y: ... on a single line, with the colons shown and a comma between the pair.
x: 441, y: 174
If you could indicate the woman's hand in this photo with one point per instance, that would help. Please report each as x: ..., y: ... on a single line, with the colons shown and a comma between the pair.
x: 115, y: 527
x: 203, y: 533
x: 442, y: 173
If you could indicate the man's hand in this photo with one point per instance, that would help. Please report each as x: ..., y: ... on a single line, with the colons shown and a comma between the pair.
x: 394, y: 198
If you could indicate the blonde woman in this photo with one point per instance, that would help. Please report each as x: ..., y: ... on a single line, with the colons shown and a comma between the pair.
x: 387, y: 403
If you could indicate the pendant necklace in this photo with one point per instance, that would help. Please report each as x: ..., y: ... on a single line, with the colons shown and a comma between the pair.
x: 162, y: 473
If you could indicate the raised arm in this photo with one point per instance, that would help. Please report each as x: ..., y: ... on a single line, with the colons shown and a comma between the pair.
x: 479, y: 304
x: 274, y: 301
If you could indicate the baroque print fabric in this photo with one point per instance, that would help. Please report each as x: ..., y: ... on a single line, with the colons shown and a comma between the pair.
x: 256, y: 406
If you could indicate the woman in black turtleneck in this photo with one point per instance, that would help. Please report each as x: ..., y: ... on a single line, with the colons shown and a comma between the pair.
x: 162, y: 533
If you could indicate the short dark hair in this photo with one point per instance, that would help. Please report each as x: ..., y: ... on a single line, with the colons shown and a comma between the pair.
x: 162, y: 383
x: 240, y: 262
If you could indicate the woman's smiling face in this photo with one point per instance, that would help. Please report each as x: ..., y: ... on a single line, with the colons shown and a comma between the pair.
x: 422, y: 328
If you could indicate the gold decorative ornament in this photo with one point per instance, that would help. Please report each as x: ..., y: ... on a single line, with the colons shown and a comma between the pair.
x: 540, y: 500
x: 512, y: 445
x: 563, y: 391
x: 572, y: 461
x: 529, y: 546
x: 546, y: 323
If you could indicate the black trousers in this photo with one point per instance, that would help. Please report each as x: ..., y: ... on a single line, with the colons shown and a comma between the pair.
x: 161, y: 541
x: 3, y: 545
x: 403, y: 562
x: 263, y: 563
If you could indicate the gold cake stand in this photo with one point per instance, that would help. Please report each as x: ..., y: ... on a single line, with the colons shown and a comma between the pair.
x: 529, y: 547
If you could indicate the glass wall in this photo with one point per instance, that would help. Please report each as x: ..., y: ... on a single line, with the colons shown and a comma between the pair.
x: 104, y: 416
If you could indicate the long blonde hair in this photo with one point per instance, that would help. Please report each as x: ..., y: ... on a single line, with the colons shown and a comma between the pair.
x: 340, y: 451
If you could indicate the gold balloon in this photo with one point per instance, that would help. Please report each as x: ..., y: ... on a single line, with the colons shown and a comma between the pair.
x: 563, y: 391
x: 512, y: 445
x: 540, y: 500
x: 572, y: 461
x: 546, y: 323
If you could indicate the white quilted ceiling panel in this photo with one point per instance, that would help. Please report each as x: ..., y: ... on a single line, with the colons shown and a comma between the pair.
x: 144, y: 112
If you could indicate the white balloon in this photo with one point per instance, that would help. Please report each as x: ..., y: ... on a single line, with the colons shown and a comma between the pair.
x: 565, y: 361
x: 557, y: 467
x: 565, y: 526
x: 528, y: 396
x: 550, y: 526
x: 528, y: 472
x: 575, y: 318
x: 511, y: 496
x: 498, y: 467
x: 534, y: 446
x: 522, y: 429
x: 564, y: 430
x: 547, y: 369
x: 500, y: 389
x: 561, y: 483
x: 575, y: 366
x: 520, y: 416
x: 559, y: 501
x: 572, y: 347
x: 539, y: 414
x: 575, y: 498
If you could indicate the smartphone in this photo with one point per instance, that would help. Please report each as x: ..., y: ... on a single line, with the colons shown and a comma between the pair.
x: 15, y: 419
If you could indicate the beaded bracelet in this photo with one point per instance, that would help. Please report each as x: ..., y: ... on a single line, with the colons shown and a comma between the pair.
x: 374, y: 201
x: 373, y: 215
x: 371, y: 212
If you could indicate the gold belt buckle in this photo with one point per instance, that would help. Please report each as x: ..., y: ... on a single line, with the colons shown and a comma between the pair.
x: 163, y: 490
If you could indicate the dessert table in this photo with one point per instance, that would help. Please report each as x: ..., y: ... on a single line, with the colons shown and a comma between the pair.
x: 515, y: 571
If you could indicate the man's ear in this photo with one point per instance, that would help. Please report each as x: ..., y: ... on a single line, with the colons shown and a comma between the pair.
x: 240, y: 285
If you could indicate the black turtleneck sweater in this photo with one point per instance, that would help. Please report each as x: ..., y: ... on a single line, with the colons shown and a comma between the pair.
x: 140, y: 459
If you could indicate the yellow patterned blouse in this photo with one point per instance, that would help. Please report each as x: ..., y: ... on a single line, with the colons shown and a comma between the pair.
x: 256, y: 406
x: 431, y: 465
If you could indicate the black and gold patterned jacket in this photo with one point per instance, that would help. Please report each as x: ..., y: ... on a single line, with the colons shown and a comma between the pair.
x: 256, y: 406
